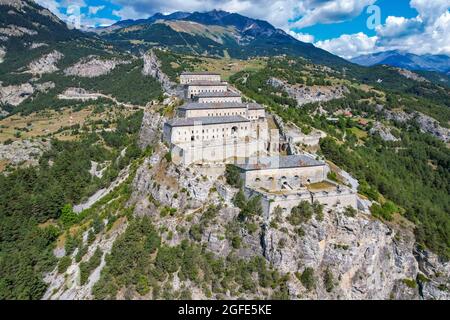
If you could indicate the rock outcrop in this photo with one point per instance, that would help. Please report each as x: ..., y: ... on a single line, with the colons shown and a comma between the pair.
x: 93, y: 66
x: 427, y: 124
x: 411, y: 75
x: 435, y: 282
x: 384, y: 132
x: 17, y: 31
x: 151, y: 129
x: 23, y: 152
x: 15, y: 94
x: 366, y: 258
x: 152, y: 67
x: 45, y: 64
x: 309, y: 94
x: 2, y: 53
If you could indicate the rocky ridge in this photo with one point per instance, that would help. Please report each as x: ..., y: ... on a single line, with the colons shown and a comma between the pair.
x: 23, y: 152
x: 93, y: 66
x: 426, y: 123
x: 2, y: 53
x: 308, y: 94
x: 45, y: 64
x: 152, y: 67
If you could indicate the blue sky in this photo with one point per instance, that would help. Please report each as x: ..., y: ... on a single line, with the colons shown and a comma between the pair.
x: 339, y: 26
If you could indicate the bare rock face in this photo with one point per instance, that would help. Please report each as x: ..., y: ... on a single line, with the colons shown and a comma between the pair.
x: 44, y: 87
x: 23, y: 152
x: 411, y: 75
x: 16, y: 31
x: 426, y: 123
x: 304, y: 94
x: 435, y: 285
x: 151, y: 129
x: 384, y: 132
x: 92, y: 66
x: 15, y: 94
x: 2, y: 53
x: 45, y: 64
x: 36, y: 45
x: 363, y: 255
x: 67, y: 286
x: 152, y: 67
x: 170, y: 186
x: 18, y: 4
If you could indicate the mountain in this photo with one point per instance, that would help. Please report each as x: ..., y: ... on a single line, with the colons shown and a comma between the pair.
x: 23, y: 21
x: 217, y: 33
x: 438, y: 63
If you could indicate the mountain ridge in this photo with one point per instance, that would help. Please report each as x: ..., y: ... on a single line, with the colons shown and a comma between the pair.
x: 405, y: 60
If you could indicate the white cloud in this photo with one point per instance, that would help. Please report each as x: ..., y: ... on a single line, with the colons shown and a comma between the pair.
x: 305, y: 37
x: 428, y: 33
x: 350, y: 45
x: 323, y: 11
x: 94, y: 10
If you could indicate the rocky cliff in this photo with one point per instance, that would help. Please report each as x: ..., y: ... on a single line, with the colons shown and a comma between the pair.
x: 340, y: 255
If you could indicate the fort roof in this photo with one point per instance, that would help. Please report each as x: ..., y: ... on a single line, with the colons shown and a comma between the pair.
x: 200, y: 73
x: 207, y: 83
x: 189, y: 122
x: 220, y: 105
x: 225, y: 94
x: 281, y: 162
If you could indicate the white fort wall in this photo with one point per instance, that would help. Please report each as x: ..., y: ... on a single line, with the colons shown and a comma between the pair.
x: 187, y: 78
x: 251, y: 114
x: 331, y: 200
x: 212, y: 112
x: 276, y: 179
x: 219, y: 99
x: 183, y: 134
x: 194, y: 90
x: 231, y: 152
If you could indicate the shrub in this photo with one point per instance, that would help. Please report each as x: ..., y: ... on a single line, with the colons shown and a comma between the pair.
x: 350, y: 212
x: 410, y: 283
x: 301, y: 214
x: 233, y: 176
x: 307, y: 279
x: 318, y: 210
x: 328, y: 280
x: 64, y: 263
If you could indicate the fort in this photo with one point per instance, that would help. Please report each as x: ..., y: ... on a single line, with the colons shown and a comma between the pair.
x: 214, y: 128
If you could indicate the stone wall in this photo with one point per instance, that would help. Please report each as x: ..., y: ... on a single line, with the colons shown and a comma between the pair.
x: 219, y: 100
x: 189, y: 78
x: 217, y: 153
x: 194, y: 90
x: 278, y: 178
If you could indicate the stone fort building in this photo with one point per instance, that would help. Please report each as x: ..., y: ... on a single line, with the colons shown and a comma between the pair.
x: 215, y: 128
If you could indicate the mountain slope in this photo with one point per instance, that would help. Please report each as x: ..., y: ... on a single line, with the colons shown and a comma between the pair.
x: 23, y: 21
x: 240, y: 37
x: 438, y: 63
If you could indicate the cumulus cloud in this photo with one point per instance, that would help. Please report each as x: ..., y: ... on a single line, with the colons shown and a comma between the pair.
x: 305, y: 37
x: 284, y: 14
x: 329, y: 11
x: 427, y: 33
x: 350, y: 45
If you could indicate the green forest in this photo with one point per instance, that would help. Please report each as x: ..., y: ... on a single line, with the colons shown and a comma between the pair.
x: 413, y: 173
x: 32, y: 197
